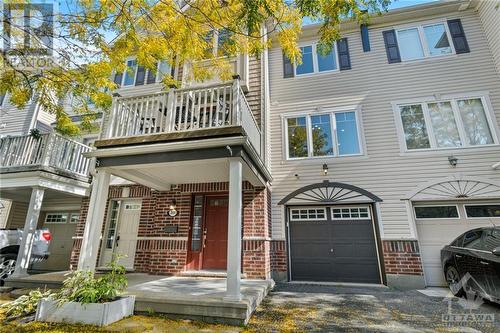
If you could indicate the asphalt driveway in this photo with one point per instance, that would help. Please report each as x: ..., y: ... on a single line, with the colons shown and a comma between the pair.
x: 313, y: 308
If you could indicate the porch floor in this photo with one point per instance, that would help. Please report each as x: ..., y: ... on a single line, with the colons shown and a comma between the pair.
x: 199, y: 298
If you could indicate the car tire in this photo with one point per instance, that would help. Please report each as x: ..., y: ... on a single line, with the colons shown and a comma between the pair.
x: 453, y: 280
x: 7, y: 266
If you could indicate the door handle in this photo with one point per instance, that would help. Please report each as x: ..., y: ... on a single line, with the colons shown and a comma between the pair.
x: 331, y: 250
x: 458, y: 256
x: 484, y: 263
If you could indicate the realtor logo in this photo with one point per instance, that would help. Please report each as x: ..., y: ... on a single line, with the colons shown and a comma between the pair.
x: 28, y: 28
x: 470, y: 302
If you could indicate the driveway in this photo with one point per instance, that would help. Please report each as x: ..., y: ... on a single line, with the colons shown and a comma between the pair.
x: 313, y: 308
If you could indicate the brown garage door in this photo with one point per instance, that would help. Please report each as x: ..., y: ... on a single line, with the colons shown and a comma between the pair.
x: 334, y: 244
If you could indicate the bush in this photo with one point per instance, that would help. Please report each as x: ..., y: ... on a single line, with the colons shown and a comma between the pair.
x: 24, y: 305
x: 83, y: 287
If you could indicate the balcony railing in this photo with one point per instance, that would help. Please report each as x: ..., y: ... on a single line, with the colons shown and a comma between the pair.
x: 178, y: 110
x: 48, y: 151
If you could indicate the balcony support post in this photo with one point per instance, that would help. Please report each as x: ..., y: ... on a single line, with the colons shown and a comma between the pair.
x: 233, y: 287
x: 93, y: 225
x: 170, y: 116
x: 236, y: 117
x: 26, y: 247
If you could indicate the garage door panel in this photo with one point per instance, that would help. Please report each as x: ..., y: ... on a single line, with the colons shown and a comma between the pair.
x: 333, y: 250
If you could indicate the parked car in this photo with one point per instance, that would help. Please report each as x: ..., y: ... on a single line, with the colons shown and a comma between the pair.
x: 472, y: 263
x: 10, y: 240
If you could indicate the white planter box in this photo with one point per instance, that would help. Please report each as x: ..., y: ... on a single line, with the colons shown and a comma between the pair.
x: 99, y: 314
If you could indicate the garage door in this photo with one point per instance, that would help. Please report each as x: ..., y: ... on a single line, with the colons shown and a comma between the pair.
x: 334, y: 244
x: 439, y: 224
x: 62, y: 226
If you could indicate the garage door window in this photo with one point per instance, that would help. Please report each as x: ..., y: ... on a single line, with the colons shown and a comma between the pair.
x: 436, y: 212
x: 478, y: 211
x: 56, y: 218
x: 351, y: 213
x: 305, y: 214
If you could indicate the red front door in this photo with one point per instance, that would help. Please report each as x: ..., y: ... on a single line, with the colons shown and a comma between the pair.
x: 215, y: 233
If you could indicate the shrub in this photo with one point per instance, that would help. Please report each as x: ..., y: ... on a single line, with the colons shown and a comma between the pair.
x: 24, y: 305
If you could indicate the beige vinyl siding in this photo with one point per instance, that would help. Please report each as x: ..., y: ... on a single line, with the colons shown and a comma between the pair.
x: 489, y: 12
x: 17, y: 215
x: 372, y: 84
x: 14, y: 121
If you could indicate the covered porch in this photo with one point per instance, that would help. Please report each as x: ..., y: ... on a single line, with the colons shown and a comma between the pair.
x: 178, y: 297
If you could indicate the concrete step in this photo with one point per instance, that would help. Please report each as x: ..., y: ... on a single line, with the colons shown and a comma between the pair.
x: 208, y: 274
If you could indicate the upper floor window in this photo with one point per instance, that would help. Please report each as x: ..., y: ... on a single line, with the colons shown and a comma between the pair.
x: 451, y: 123
x: 313, y: 61
x: 2, y: 99
x: 320, y: 135
x: 424, y: 41
x: 139, y: 75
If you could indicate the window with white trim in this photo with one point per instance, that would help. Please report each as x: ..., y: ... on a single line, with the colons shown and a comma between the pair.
x: 56, y: 218
x: 424, y: 41
x: 350, y: 213
x: 436, y: 212
x: 450, y: 123
x: 75, y: 217
x: 138, y: 75
x: 315, y: 61
x: 482, y: 210
x: 306, y: 214
x: 322, y: 135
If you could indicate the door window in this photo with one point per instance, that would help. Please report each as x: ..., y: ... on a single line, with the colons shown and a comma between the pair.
x: 197, y: 223
x: 113, y: 219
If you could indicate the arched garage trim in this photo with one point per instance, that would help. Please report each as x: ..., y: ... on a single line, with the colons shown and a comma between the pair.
x: 329, y: 192
x: 456, y: 187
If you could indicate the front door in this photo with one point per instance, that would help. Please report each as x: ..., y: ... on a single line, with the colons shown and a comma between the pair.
x: 215, y: 233
x: 121, y: 232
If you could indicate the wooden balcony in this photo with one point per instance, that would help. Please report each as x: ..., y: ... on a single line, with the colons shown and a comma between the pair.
x: 180, y: 114
x: 50, y: 152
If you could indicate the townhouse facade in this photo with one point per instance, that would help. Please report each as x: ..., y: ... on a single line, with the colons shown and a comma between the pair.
x: 357, y: 165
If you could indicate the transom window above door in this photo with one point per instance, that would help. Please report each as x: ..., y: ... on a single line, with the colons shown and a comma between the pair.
x: 450, y: 123
x: 316, y: 61
x: 424, y: 41
x: 322, y: 135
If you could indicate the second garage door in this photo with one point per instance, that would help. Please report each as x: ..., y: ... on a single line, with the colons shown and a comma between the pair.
x: 335, y: 244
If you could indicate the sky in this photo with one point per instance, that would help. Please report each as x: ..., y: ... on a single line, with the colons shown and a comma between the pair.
x: 406, y: 3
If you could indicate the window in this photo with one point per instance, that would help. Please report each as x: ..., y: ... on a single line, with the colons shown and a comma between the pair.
x: 130, y: 73
x: 473, y: 240
x: 320, y: 135
x: 453, y: 123
x: 113, y: 220
x: 424, y: 41
x: 350, y: 213
x: 75, y: 217
x: 2, y: 99
x: 315, y: 61
x: 138, y: 75
x: 491, y: 239
x: 197, y: 223
x: 482, y: 211
x: 305, y: 214
x: 436, y: 212
x: 56, y: 218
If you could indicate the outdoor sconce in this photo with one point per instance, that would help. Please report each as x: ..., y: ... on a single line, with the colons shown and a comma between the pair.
x: 453, y: 160
x: 172, y: 208
x: 325, y: 169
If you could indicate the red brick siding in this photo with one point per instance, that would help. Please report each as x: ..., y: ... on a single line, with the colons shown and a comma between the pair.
x: 169, y: 256
x: 278, y: 256
x: 402, y: 257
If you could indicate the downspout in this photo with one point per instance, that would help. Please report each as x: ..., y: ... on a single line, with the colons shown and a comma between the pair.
x: 266, y: 100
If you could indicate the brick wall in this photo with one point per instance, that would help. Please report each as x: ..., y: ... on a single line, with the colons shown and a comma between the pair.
x: 162, y: 252
x: 402, y: 257
x: 278, y: 257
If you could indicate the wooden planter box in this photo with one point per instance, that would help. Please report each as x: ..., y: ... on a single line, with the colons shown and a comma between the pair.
x: 100, y: 314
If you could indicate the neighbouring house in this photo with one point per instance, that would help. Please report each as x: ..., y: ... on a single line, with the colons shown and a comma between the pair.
x: 386, y: 148
x: 356, y: 166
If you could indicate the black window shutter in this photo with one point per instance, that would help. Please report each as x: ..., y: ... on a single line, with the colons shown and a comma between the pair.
x: 118, y: 78
x: 139, y: 77
x: 391, y: 46
x: 365, y: 38
x: 151, y: 76
x: 287, y: 67
x: 458, y: 36
x: 344, y: 57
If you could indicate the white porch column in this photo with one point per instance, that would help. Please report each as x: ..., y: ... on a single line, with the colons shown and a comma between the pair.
x: 233, y: 292
x: 24, y: 255
x: 93, y: 224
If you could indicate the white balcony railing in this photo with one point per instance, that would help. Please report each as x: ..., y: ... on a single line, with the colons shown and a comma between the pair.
x: 190, y: 109
x: 49, y: 150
